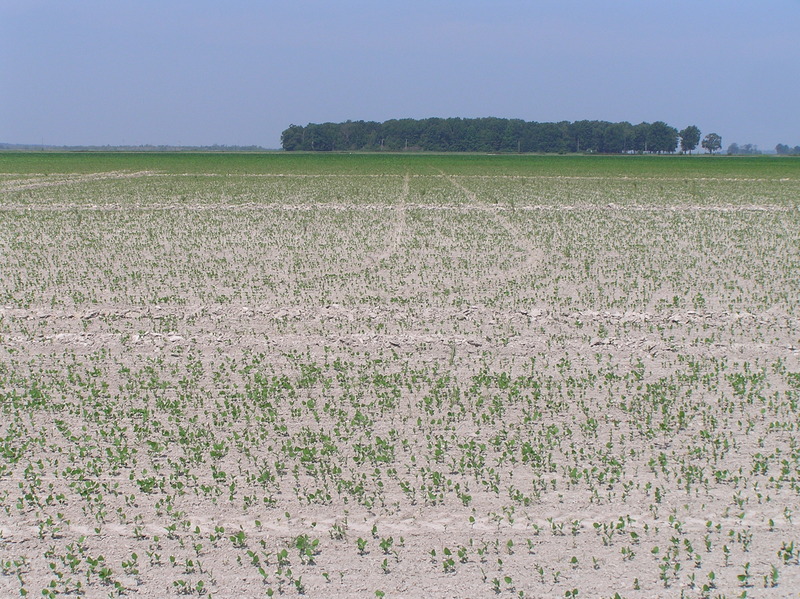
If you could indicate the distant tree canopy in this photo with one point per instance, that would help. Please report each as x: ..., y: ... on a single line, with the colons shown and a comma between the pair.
x: 483, y: 135
x: 744, y: 150
x: 690, y: 137
x: 712, y: 142
x: 784, y: 150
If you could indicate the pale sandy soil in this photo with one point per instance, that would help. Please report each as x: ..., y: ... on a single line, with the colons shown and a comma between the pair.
x: 414, y: 391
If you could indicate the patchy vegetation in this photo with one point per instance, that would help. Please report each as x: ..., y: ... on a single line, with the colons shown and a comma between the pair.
x: 394, y: 376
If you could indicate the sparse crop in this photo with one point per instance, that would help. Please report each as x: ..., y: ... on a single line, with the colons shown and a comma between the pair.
x: 267, y: 369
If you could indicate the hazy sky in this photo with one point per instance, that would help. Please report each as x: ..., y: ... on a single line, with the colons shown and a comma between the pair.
x: 198, y: 72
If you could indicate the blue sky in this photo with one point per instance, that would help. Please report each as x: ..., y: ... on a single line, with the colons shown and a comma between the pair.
x: 198, y: 72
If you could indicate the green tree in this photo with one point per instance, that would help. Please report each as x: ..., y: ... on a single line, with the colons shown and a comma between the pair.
x: 638, y: 137
x: 292, y: 138
x: 614, y: 138
x: 690, y: 137
x: 662, y: 138
x: 784, y: 150
x: 712, y: 142
x: 489, y: 134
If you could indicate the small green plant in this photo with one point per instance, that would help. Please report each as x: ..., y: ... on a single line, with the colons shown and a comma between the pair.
x: 239, y: 539
x: 307, y: 548
x: 386, y: 545
x: 771, y: 579
x: 627, y: 554
x: 496, y: 585
x: 744, y: 577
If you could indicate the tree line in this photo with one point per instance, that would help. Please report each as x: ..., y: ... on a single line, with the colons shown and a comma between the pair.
x: 496, y: 135
x: 784, y: 150
x: 752, y: 150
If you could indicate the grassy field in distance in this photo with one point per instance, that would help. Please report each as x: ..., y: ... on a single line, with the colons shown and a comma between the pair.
x: 365, y: 163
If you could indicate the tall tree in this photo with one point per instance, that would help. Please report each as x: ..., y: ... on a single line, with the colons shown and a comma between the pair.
x: 784, y: 150
x: 639, y: 137
x: 712, y: 142
x: 614, y: 138
x: 662, y: 138
x: 690, y: 137
x: 293, y: 137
